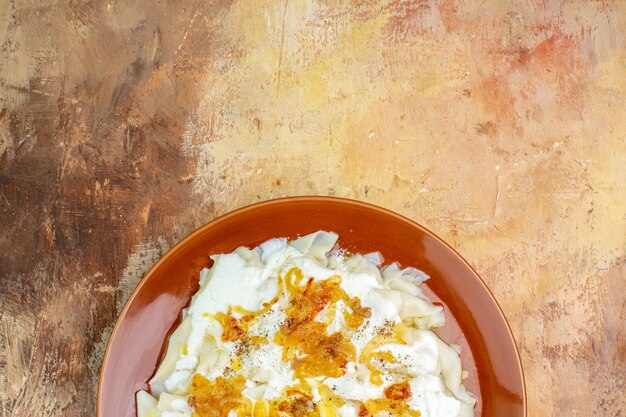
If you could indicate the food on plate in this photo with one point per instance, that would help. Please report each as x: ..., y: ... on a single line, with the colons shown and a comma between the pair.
x: 299, y: 329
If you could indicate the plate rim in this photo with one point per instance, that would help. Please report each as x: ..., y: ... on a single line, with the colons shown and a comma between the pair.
x: 305, y: 198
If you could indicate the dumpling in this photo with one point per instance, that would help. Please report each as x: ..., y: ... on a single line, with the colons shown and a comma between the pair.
x: 414, y: 310
x: 406, y: 279
x: 270, y: 247
x: 146, y: 404
x: 174, y: 348
x: 251, y: 257
x: 316, y: 244
x: 374, y: 257
x: 362, y: 265
x: 449, y: 363
x: 174, y: 404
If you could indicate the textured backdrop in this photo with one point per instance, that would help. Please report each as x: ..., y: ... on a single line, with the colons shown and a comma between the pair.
x: 500, y: 125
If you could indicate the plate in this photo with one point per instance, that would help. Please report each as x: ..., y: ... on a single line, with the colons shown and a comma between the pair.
x: 474, y: 319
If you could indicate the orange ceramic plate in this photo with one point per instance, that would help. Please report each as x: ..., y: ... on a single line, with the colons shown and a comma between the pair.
x: 474, y: 320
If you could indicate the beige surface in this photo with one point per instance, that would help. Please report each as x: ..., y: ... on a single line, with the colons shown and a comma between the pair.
x: 499, y: 125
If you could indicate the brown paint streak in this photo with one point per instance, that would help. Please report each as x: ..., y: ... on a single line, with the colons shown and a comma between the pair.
x: 87, y: 151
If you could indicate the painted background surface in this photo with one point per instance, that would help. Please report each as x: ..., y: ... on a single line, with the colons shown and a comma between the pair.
x: 500, y: 125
